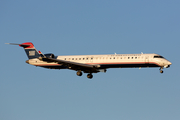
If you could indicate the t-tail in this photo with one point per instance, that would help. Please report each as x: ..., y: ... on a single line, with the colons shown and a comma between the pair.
x: 29, y: 49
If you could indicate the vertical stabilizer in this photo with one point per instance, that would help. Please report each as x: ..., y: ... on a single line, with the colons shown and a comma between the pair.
x: 30, y: 50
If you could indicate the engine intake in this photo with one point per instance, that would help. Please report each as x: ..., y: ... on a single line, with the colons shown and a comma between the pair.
x: 50, y: 55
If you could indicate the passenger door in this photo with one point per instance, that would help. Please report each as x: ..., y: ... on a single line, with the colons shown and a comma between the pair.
x: 146, y: 59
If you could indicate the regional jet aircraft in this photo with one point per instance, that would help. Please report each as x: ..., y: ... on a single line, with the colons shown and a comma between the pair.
x: 92, y: 63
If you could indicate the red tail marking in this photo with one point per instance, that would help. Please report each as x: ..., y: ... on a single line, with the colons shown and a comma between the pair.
x: 27, y: 43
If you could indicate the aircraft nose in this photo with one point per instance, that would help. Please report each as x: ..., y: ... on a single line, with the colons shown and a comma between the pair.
x: 169, y: 63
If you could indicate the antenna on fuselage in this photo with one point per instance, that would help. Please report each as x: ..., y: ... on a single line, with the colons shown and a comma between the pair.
x: 141, y: 52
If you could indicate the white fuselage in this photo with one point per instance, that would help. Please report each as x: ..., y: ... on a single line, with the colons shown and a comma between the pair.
x: 109, y: 61
x: 92, y: 63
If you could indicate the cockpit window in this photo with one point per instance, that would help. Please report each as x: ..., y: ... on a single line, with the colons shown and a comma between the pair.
x: 158, y: 57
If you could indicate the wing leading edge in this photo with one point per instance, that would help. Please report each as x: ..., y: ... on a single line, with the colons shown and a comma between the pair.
x: 73, y: 65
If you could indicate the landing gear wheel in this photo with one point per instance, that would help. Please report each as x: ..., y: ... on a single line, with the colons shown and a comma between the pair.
x: 79, y: 73
x: 161, y: 70
x: 90, y: 76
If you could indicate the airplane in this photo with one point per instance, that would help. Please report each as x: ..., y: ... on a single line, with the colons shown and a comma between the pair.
x: 92, y: 63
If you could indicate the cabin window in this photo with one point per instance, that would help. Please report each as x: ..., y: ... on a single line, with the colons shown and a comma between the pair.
x: 132, y: 57
x: 91, y: 58
x: 83, y: 58
x: 64, y: 58
x: 86, y: 58
x: 72, y: 58
x: 79, y: 58
x: 128, y: 57
x: 135, y: 57
x: 114, y: 57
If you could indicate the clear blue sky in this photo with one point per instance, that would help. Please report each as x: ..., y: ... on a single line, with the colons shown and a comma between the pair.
x: 78, y: 27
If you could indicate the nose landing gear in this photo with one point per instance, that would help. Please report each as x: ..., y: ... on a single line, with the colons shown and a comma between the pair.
x: 161, y: 70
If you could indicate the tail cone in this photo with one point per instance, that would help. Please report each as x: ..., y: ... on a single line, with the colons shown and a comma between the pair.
x: 27, y: 61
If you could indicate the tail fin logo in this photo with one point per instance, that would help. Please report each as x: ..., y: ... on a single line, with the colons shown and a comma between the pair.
x: 31, y: 53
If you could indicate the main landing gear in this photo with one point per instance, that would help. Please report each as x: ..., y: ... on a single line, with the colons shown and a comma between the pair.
x: 161, y: 70
x: 79, y: 73
x: 90, y: 76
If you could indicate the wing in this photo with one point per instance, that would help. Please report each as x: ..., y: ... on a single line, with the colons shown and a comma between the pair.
x: 73, y: 65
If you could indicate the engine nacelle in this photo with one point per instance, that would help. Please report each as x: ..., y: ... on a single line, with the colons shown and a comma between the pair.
x: 49, y: 55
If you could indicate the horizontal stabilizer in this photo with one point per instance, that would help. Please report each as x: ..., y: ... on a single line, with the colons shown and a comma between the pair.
x: 21, y: 45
